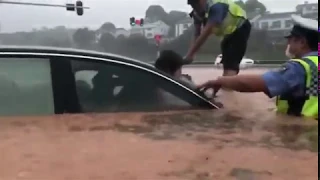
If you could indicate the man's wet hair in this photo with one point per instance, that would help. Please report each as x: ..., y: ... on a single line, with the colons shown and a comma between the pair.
x: 169, y: 61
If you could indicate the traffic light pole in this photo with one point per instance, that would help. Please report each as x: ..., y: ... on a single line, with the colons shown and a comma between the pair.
x: 36, y: 4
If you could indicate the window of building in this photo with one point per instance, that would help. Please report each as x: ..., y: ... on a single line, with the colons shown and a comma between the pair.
x: 149, y: 35
x: 308, y: 8
x: 186, y: 26
x: 288, y: 23
x: 264, y: 25
x: 275, y: 25
x: 25, y: 87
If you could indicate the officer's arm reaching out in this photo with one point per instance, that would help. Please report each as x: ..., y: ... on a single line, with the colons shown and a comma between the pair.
x: 290, y: 77
x: 216, y: 15
x: 197, y: 30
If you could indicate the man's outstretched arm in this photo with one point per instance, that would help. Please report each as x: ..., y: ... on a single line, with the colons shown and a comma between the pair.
x: 272, y: 83
x: 216, y: 16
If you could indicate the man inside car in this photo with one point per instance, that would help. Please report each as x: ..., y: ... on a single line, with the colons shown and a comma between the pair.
x: 171, y: 63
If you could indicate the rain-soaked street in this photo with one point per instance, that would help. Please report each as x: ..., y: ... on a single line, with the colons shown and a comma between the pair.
x: 245, y: 141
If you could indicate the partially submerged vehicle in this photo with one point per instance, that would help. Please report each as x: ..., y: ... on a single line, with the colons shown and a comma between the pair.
x: 47, y: 81
x: 245, y: 62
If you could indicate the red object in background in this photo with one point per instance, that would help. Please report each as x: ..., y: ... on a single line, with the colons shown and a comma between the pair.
x: 158, y: 39
x: 138, y: 22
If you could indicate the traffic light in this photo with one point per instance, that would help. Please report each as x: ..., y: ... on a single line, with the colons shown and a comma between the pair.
x: 141, y: 21
x: 79, y: 7
x: 132, y: 21
x: 70, y: 7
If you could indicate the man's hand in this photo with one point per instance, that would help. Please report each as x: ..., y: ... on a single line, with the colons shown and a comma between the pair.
x: 215, y: 85
x: 188, y: 59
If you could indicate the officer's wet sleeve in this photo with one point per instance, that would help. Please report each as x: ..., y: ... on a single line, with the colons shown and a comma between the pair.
x: 288, y: 78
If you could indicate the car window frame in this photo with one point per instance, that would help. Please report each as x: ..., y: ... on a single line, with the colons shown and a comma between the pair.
x: 56, y: 56
x: 150, y: 70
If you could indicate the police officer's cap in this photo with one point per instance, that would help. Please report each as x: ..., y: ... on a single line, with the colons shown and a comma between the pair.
x: 192, y: 2
x: 304, y: 27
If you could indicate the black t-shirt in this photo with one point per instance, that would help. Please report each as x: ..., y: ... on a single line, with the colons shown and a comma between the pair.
x: 199, y: 20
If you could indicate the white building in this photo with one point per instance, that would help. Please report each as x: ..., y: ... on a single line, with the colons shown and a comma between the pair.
x: 308, y: 10
x: 149, y: 30
x: 182, y: 26
x: 282, y: 21
x: 274, y: 21
x: 121, y: 32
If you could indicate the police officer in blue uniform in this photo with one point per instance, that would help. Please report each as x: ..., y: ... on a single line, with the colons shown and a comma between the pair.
x: 295, y: 84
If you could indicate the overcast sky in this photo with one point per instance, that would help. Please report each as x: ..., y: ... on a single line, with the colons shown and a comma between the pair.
x: 24, y: 18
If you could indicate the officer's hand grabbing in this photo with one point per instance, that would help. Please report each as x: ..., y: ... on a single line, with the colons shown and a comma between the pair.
x: 215, y: 85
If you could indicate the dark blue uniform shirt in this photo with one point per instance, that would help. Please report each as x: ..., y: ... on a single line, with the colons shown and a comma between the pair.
x: 291, y: 78
x: 217, y: 13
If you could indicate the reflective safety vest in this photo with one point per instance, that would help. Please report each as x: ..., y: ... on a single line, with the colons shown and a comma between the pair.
x: 235, y: 17
x: 306, y: 105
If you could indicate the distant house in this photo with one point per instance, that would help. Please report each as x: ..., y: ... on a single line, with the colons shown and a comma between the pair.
x: 275, y: 21
x: 121, y: 32
x: 182, y: 26
x: 308, y: 10
x: 149, y: 30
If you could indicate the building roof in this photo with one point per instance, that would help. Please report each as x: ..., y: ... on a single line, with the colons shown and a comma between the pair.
x: 300, y: 6
x: 276, y: 15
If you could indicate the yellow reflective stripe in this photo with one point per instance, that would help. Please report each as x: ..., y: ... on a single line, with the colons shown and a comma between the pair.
x: 282, y: 106
x: 310, y: 107
x: 233, y: 19
x: 307, y: 69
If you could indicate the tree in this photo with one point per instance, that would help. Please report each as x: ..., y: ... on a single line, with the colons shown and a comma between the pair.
x: 107, y: 27
x: 255, y: 6
x: 156, y: 13
x: 84, y: 37
x: 180, y: 44
x: 137, y: 46
x: 107, y: 42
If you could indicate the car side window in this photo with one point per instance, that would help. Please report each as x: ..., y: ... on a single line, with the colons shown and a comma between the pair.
x: 113, y: 87
x: 25, y: 87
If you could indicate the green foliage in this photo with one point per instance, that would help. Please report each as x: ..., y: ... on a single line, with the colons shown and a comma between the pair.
x: 84, y: 37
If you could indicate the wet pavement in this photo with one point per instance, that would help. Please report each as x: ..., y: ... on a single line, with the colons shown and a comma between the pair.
x: 244, y: 141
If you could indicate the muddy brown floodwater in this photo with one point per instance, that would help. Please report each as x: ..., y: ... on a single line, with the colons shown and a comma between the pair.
x: 245, y: 141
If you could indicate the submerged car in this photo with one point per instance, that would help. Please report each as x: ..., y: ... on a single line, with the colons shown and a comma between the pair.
x: 47, y: 81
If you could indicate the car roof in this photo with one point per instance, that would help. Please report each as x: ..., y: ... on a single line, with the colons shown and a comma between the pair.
x: 73, y: 51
